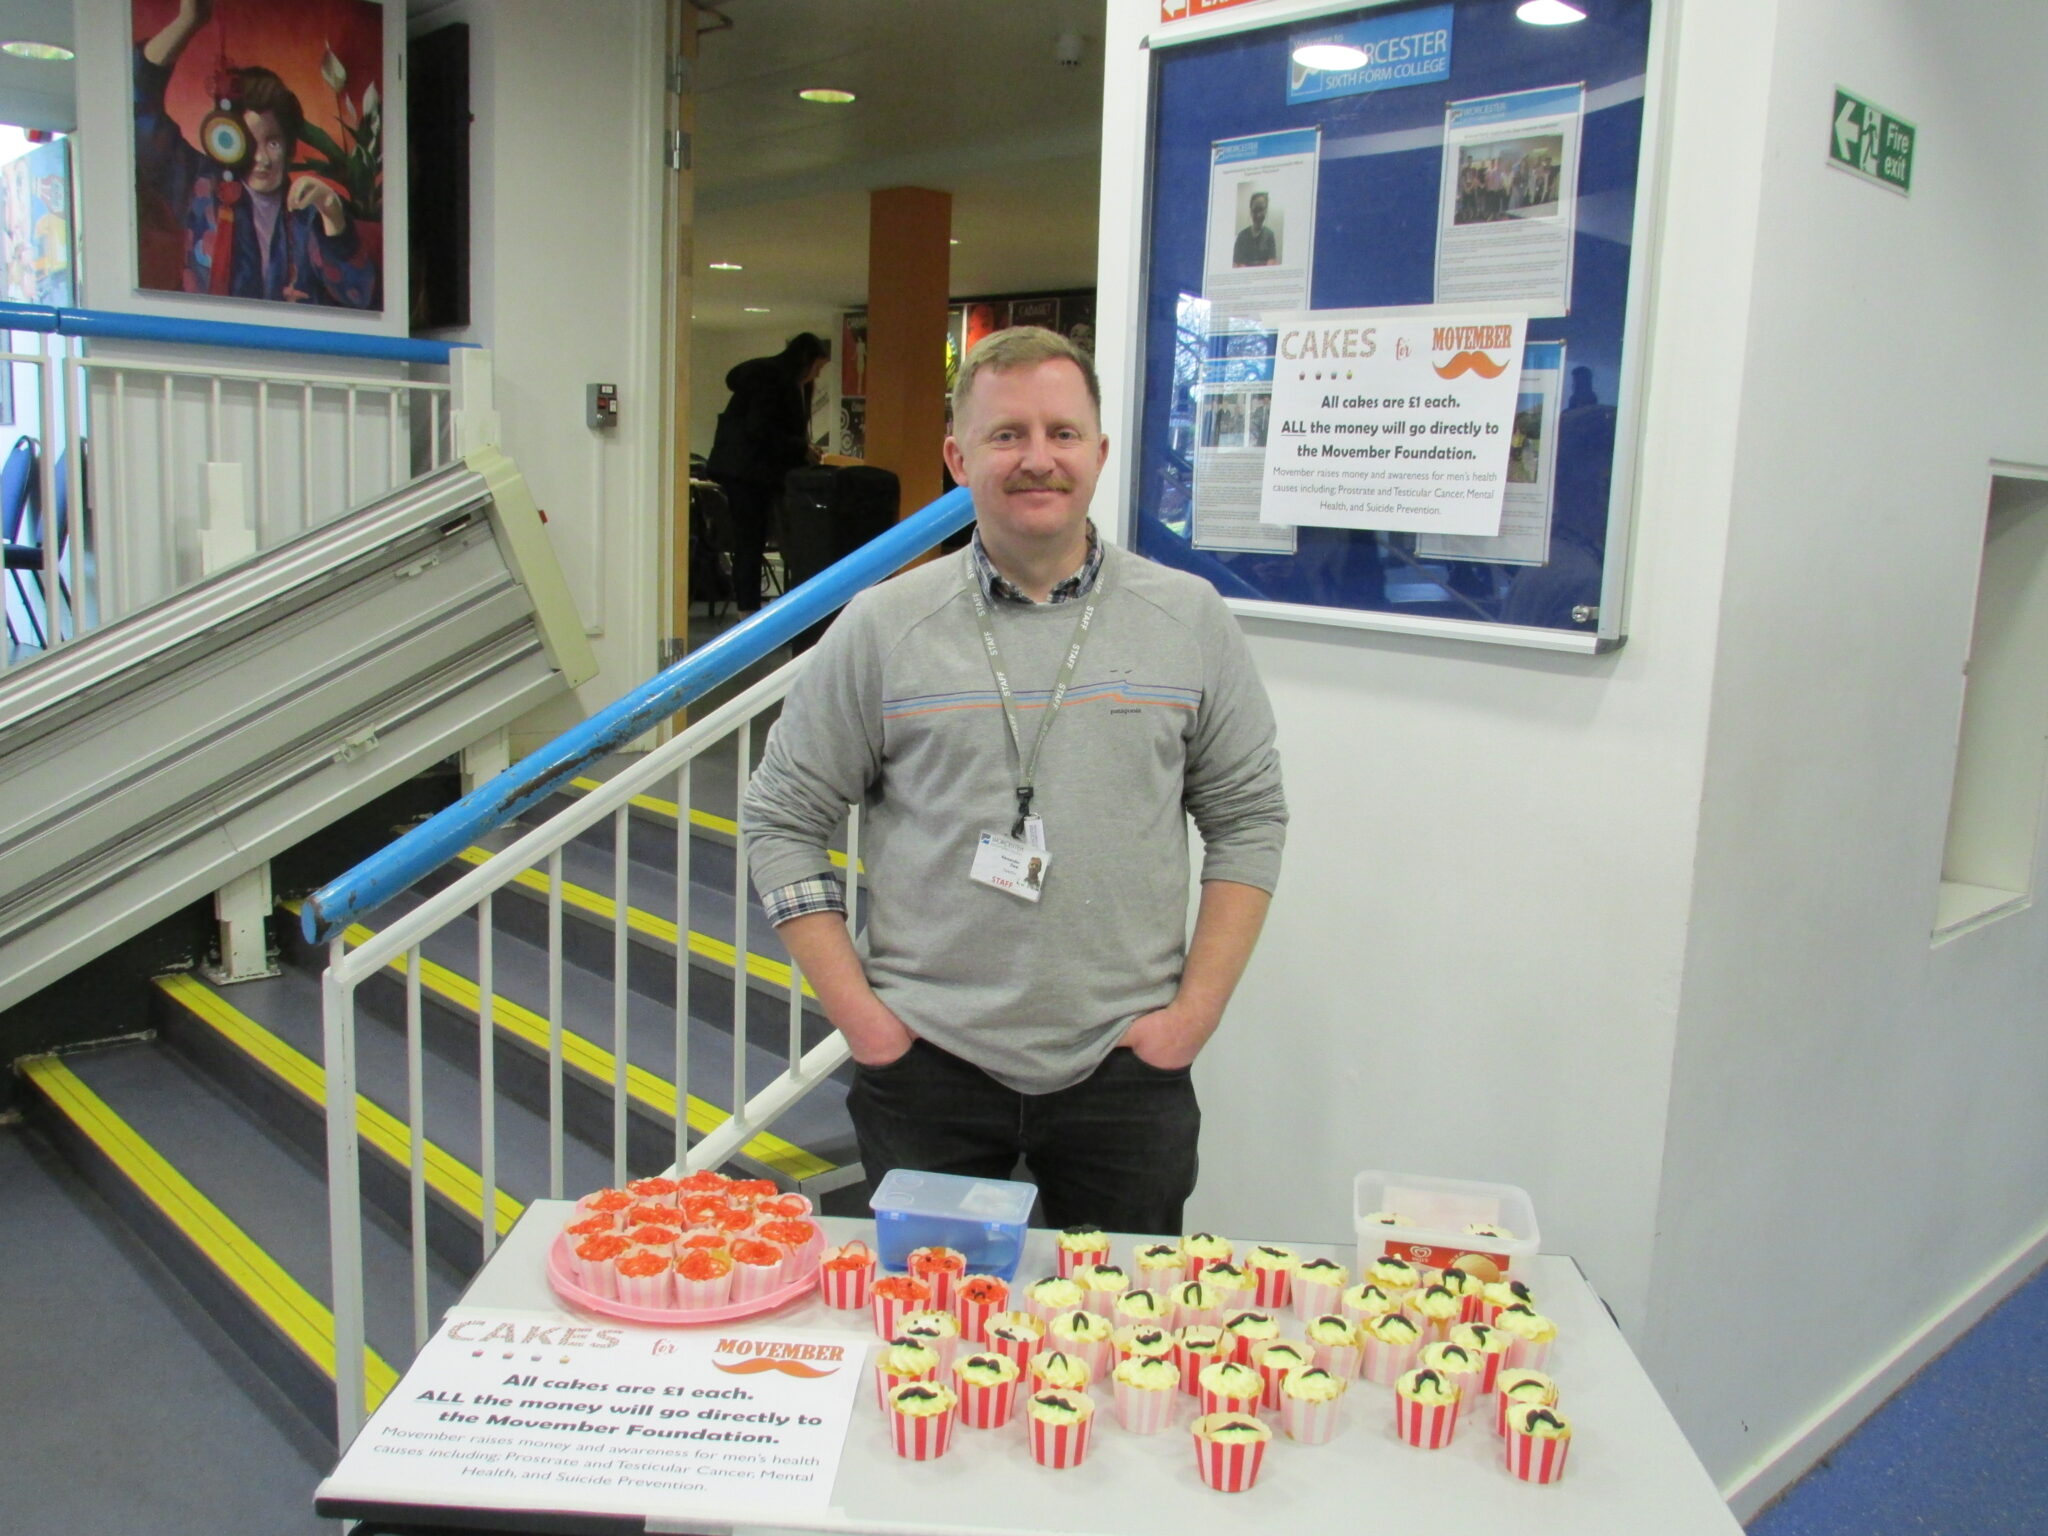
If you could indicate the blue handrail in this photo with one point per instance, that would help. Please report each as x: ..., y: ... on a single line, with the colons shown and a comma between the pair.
x: 112, y: 325
x: 329, y: 910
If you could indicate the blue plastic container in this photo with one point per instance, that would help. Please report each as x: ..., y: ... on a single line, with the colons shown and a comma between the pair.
x: 984, y: 1218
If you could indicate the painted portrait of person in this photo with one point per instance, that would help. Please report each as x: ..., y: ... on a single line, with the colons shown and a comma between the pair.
x: 259, y: 150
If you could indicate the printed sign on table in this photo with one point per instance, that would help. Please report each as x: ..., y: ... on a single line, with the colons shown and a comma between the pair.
x: 516, y: 1410
x: 1396, y: 424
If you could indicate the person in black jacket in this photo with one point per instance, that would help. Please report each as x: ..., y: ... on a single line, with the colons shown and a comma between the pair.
x: 763, y: 433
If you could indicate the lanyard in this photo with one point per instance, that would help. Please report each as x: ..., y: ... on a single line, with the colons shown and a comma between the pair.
x: 1027, y: 766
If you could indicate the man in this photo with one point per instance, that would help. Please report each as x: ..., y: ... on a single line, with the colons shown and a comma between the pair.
x: 1039, y: 695
x: 763, y: 433
x: 248, y: 230
x: 1257, y: 246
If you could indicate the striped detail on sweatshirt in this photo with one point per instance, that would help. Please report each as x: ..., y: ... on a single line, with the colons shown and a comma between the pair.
x: 1162, y: 694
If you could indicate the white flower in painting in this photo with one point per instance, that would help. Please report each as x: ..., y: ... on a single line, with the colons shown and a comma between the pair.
x: 370, y: 101
x: 332, y: 72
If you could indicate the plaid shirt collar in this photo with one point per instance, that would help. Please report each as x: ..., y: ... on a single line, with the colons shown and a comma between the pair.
x: 997, y: 590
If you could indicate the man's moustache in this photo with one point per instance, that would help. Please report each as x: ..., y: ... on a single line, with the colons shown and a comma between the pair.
x: 1025, y: 483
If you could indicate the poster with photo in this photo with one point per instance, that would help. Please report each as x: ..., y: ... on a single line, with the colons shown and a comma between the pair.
x: 35, y: 194
x: 1262, y: 221
x: 1507, y: 208
x: 1233, y: 409
x: 259, y: 149
x: 1524, y: 537
x: 853, y: 427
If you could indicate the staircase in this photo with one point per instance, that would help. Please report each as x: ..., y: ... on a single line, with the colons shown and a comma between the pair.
x: 185, y: 1166
x: 236, y: 1218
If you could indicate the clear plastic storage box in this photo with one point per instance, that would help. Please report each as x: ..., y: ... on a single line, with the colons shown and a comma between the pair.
x: 1442, y: 1210
x: 984, y: 1218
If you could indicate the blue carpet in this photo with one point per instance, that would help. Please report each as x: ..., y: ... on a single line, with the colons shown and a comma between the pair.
x: 1957, y: 1451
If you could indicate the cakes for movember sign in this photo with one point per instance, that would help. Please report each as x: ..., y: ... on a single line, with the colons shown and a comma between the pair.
x: 1399, y: 425
x: 503, y: 1411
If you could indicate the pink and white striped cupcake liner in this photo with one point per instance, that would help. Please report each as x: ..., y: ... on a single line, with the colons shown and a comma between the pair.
x: 1307, y: 1422
x: 1427, y: 1428
x: 1229, y: 1468
x: 1536, y: 1458
x: 1145, y: 1410
x: 1060, y: 1446
x: 921, y: 1436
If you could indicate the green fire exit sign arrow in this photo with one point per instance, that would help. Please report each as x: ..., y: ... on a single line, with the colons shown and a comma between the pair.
x: 1871, y: 142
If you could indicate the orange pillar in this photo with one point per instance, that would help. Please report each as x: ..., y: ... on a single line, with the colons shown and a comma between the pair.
x: 907, y: 280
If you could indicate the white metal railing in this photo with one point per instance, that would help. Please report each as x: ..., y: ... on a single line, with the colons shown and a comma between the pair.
x: 153, y: 473
x: 401, y: 943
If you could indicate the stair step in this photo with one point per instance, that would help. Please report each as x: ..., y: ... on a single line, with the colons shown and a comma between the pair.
x: 656, y: 811
x: 813, y: 1142
x: 236, y: 1210
x: 260, y: 1041
x: 97, y: 1328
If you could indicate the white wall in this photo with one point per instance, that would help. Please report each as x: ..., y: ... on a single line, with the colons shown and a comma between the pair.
x: 565, y: 289
x: 1846, y: 1095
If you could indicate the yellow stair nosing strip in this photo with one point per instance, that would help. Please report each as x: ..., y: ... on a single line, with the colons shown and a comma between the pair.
x: 457, y: 1182
x: 760, y: 967
x: 657, y: 806
x: 291, y: 1308
x: 595, y: 1062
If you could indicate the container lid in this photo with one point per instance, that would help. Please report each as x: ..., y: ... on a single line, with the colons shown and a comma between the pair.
x: 904, y: 1191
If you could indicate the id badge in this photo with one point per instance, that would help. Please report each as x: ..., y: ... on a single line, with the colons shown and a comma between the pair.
x: 1009, y: 865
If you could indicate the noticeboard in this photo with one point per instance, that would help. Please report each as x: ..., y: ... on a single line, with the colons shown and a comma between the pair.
x: 1389, y: 351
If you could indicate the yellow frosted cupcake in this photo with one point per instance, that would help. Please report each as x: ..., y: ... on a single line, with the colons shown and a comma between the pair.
x: 1201, y: 1249
x: 1160, y: 1266
x: 1518, y: 1386
x: 1436, y: 1308
x: 1333, y: 1340
x: 1196, y: 1304
x: 1532, y: 1333
x: 1397, y: 1277
x: 1319, y: 1286
x: 1141, y: 1307
x: 1538, y: 1439
x: 1101, y: 1285
x: 1229, y: 1386
x: 1248, y: 1329
x: 1145, y: 1340
x: 1425, y: 1409
x: 1308, y: 1404
x: 1057, y: 1369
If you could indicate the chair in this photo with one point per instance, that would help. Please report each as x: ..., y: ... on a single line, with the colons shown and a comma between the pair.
x: 711, y: 546
x: 20, y: 491
x: 26, y: 543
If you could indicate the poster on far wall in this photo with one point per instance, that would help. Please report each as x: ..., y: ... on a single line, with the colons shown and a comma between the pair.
x: 259, y: 149
x: 35, y: 224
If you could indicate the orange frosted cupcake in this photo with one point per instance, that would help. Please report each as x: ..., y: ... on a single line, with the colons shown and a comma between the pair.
x: 703, y: 1278
x: 593, y: 1259
x: 939, y: 1268
x: 757, y: 1268
x: 642, y: 1278
x: 657, y: 1189
x: 893, y: 1295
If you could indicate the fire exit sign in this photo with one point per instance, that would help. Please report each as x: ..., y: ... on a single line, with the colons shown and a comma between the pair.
x: 1871, y: 142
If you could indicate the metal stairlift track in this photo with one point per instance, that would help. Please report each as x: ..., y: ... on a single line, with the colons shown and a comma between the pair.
x: 154, y: 760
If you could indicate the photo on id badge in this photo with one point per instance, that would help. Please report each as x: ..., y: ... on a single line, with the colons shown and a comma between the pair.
x: 1010, y: 865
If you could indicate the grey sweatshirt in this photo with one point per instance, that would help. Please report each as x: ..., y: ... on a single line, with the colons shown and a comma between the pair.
x: 897, y: 709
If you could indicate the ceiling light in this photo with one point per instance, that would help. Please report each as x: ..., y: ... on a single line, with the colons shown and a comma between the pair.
x: 48, y: 52
x: 727, y: 266
x: 952, y: 242
x: 753, y: 309
x: 831, y: 96
x: 1330, y: 56
x: 1549, y: 13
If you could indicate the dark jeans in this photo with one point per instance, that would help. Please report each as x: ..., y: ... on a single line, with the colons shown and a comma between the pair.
x: 1116, y: 1149
x: 753, y: 513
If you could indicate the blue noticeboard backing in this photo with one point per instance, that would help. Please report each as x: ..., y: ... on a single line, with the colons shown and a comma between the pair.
x: 1375, y: 246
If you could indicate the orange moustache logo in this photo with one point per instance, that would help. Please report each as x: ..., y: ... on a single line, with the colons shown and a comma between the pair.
x: 756, y: 1366
x: 1470, y: 362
